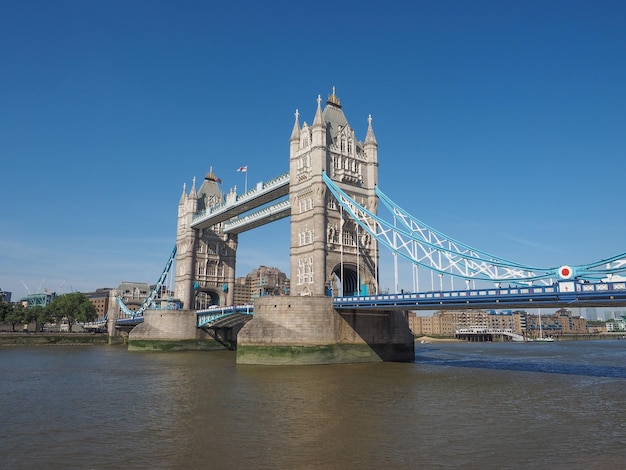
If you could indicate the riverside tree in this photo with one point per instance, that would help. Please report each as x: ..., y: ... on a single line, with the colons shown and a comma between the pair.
x: 73, y: 307
x: 13, y: 314
x: 40, y: 315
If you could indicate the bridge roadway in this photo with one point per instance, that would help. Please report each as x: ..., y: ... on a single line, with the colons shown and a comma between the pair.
x: 561, y: 294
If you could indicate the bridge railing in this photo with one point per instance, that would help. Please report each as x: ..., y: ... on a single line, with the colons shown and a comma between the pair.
x: 558, y: 292
x: 211, y: 315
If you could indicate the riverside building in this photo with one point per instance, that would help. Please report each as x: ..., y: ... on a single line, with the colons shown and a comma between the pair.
x: 445, y: 323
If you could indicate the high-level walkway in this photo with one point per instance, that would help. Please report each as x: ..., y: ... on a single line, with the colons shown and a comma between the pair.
x: 235, y: 206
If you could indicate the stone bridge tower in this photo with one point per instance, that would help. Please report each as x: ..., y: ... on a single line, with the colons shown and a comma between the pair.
x: 205, y: 259
x: 328, y: 249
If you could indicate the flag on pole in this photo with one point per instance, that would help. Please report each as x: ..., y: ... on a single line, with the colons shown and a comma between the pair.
x: 243, y: 168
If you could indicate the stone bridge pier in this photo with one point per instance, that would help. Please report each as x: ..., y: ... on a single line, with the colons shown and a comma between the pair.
x: 308, y: 330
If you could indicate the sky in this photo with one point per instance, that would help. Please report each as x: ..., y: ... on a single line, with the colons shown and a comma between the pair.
x: 500, y: 124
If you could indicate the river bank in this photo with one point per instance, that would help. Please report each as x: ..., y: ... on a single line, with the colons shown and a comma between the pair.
x: 47, y: 339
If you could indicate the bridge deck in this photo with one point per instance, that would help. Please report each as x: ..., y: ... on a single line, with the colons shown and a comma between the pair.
x: 567, y: 293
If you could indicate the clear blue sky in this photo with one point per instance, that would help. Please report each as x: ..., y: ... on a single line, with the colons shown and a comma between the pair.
x: 500, y: 123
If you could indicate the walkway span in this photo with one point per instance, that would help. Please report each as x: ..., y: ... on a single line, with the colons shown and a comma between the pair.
x: 234, y: 206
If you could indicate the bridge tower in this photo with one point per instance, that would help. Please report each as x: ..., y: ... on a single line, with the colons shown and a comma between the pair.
x: 328, y: 251
x: 205, y: 258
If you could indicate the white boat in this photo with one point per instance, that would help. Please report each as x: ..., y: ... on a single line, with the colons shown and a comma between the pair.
x: 543, y: 339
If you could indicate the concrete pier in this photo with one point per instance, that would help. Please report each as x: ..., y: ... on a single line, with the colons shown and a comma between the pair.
x: 308, y: 330
x: 170, y: 330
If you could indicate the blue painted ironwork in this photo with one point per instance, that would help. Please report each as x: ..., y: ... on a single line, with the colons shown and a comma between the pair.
x: 424, y: 246
x: 563, y: 293
x: 149, y: 300
x: 216, y: 316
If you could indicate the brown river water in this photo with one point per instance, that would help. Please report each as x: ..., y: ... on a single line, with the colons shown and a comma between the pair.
x: 560, y: 405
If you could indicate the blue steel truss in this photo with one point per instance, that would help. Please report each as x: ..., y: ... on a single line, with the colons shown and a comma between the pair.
x: 130, y: 315
x: 224, y: 316
x: 424, y: 246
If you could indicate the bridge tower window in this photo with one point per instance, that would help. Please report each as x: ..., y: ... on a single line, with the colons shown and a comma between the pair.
x: 305, y: 271
x: 305, y: 204
x: 348, y: 238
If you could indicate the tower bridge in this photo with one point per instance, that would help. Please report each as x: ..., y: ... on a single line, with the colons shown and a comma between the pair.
x: 335, y: 312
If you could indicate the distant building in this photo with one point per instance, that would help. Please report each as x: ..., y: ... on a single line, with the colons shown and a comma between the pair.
x: 616, y: 325
x: 591, y: 314
x: 133, y: 293
x: 261, y: 282
x: 38, y: 300
x: 5, y: 296
x: 444, y: 323
x: 560, y: 322
x: 100, y: 300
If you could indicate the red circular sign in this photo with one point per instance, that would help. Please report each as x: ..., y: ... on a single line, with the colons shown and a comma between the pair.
x: 565, y: 272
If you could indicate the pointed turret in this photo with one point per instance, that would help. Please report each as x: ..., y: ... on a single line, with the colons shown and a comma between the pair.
x: 319, y: 126
x: 183, y: 196
x: 295, y: 133
x: 370, y: 138
x: 318, y: 120
x: 294, y: 140
x: 193, y: 193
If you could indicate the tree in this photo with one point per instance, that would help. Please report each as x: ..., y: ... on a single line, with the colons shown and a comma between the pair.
x: 39, y: 315
x: 73, y: 307
x: 5, y: 308
x: 16, y: 314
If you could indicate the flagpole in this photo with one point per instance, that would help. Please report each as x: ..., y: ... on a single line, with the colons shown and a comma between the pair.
x: 245, y: 170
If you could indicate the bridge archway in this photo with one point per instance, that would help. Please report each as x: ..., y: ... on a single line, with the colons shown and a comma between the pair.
x: 345, y: 280
x: 206, y: 297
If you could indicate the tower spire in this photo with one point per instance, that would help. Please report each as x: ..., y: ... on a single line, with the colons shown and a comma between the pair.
x: 318, y: 121
x: 193, y: 193
x: 183, y: 196
x: 295, y: 133
x: 370, y: 138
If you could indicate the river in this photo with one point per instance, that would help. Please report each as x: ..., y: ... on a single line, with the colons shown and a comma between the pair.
x: 459, y: 405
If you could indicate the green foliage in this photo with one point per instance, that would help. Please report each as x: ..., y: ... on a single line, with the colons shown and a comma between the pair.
x: 5, y: 308
x: 39, y: 315
x: 14, y: 314
x: 73, y: 307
